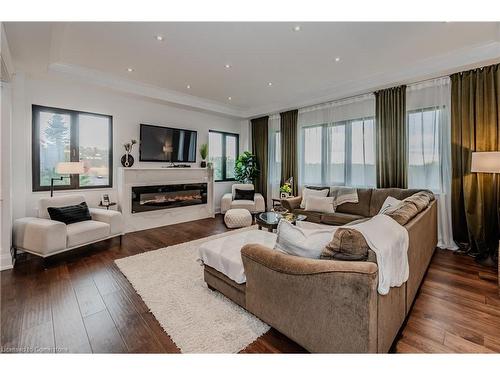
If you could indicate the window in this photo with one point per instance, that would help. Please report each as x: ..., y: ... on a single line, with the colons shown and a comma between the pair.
x: 223, y: 152
x: 61, y: 135
x: 424, y: 166
x: 341, y: 153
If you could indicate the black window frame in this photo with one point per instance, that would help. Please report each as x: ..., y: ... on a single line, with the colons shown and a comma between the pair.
x: 224, y: 156
x: 74, y: 147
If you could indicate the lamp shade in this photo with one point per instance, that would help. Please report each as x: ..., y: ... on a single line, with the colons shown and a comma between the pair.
x: 485, y: 162
x: 74, y: 167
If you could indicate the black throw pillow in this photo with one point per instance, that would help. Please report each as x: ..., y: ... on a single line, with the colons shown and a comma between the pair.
x: 243, y: 195
x: 70, y: 214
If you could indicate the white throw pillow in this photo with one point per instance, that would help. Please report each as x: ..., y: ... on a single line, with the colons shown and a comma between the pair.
x: 301, y: 242
x: 306, y: 192
x: 320, y: 204
x: 389, y: 205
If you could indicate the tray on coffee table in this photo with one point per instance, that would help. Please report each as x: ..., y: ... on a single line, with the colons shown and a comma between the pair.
x: 270, y: 220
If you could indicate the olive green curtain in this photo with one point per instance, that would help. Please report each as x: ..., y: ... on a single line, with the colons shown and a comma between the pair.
x: 391, y: 137
x: 259, y: 149
x: 289, y: 165
x: 475, y: 126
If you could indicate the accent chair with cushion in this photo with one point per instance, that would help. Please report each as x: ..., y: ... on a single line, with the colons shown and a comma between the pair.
x: 44, y: 237
x: 233, y: 199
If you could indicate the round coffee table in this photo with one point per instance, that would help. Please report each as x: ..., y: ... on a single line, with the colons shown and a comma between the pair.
x: 270, y: 220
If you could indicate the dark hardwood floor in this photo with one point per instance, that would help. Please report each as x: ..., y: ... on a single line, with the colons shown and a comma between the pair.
x: 80, y: 302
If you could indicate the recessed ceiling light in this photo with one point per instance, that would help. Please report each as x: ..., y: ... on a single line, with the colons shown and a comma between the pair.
x: 159, y: 38
x: 269, y: 83
x: 337, y: 59
x: 188, y: 86
x: 227, y: 66
x: 296, y: 28
x: 229, y: 98
x: 130, y: 70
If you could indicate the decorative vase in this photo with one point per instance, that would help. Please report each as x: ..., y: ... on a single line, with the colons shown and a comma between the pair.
x: 127, y: 160
x: 203, y: 164
x: 284, y: 195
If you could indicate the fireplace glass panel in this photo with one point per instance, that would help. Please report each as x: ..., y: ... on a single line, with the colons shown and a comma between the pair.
x: 151, y: 198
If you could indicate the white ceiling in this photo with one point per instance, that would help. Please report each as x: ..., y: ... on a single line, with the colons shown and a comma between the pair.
x: 301, y: 65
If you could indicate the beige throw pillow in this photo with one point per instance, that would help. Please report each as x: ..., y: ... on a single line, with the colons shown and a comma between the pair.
x: 307, y: 192
x: 320, y: 204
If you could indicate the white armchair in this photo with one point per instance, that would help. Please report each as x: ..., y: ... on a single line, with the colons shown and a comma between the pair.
x: 45, y: 237
x: 254, y: 206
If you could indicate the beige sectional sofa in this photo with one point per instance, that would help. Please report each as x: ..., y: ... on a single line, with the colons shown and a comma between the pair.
x: 328, y: 305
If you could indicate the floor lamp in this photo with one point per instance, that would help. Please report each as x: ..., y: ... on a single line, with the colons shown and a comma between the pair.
x: 487, y: 162
x: 69, y: 168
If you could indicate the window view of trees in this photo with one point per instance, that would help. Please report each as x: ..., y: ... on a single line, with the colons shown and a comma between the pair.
x: 223, y: 152
x: 55, y: 141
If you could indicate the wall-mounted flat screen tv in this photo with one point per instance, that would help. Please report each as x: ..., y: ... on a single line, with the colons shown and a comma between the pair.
x: 162, y: 144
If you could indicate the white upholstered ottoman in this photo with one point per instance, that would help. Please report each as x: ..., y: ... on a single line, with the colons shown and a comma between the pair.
x: 224, y: 253
x: 238, y: 218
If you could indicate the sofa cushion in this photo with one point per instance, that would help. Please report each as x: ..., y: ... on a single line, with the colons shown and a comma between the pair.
x: 57, y: 201
x: 312, y: 216
x: 320, y: 204
x: 362, y: 208
x: 390, y: 204
x: 244, y: 194
x: 404, y: 212
x: 70, y: 214
x: 85, y: 232
x: 309, y: 191
x: 347, y: 244
x: 421, y: 199
x: 379, y: 196
x: 302, y: 242
x: 243, y: 204
x: 338, y: 218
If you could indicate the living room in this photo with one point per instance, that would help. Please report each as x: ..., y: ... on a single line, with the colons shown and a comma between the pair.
x: 275, y: 186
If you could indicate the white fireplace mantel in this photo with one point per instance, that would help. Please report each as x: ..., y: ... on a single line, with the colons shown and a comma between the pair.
x: 131, y: 177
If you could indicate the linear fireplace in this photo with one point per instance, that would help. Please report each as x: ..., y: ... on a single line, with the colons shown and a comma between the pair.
x: 159, y: 197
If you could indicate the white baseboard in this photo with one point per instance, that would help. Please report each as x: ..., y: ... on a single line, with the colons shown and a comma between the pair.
x: 6, y: 262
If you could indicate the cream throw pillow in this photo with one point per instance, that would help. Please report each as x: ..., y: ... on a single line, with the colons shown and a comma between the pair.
x: 390, y: 204
x: 301, y: 242
x: 306, y: 192
x: 320, y: 204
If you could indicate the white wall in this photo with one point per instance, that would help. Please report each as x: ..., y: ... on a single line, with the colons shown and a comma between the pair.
x: 128, y: 112
x: 5, y: 176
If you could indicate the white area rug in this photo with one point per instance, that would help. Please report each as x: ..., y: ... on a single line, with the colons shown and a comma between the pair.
x: 198, y: 320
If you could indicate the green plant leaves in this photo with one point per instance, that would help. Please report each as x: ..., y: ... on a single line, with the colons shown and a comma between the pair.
x: 246, y: 168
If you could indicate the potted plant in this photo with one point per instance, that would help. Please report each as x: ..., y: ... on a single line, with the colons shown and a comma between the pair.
x: 203, y: 154
x: 245, y: 169
x: 127, y: 160
x: 285, y: 190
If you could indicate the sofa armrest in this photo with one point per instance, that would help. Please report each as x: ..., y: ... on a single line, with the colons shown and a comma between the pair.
x: 323, y: 305
x: 111, y: 217
x: 295, y: 265
x: 225, y: 203
x: 291, y: 203
x: 260, y: 203
x: 39, y: 236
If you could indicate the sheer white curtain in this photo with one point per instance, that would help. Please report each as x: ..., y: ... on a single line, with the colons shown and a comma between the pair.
x: 429, y: 148
x: 337, y: 143
x: 274, y: 159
